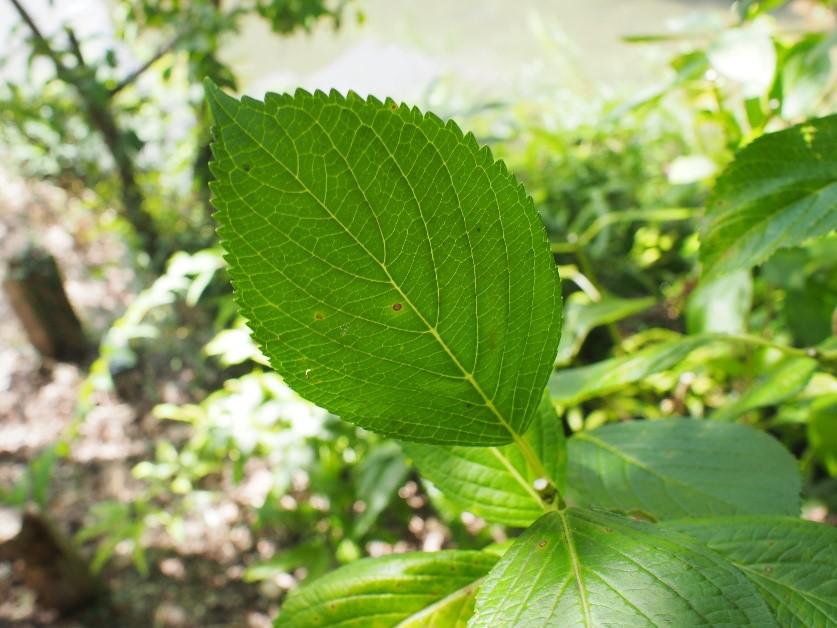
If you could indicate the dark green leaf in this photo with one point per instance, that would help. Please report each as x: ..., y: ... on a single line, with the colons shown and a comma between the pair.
x: 778, y: 192
x: 681, y: 468
x: 583, y: 568
x: 792, y: 562
x: 391, y: 270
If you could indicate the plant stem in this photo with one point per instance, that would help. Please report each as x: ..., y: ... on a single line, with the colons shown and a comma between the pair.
x: 549, y: 494
x: 605, y: 220
x: 809, y: 352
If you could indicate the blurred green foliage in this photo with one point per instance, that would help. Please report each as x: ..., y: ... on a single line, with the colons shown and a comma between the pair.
x: 620, y: 188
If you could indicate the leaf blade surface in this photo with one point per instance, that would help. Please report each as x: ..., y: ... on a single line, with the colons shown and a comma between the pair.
x: 391, y: 270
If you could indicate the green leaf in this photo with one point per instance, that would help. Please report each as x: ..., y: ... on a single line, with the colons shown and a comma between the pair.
x: 822, y: 431
x: 377, y: 480
x: 407, y: 590
x: 778, y: 192
x: 495, y: 482
x: 784, y: 379
x: 392, y: 271
x: 806, y: 74
x: 792, y: 562
x: 721, y: 305
x: 583, y: 568
x: 313, y: 554
x: 681, y: 468
x: 580, y: 318
x: 572, y: 386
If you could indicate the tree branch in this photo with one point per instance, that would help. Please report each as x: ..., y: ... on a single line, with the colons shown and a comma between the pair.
x: 133, y: 76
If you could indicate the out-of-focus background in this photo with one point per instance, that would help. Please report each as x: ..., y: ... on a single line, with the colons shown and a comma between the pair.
x: 143, y: 439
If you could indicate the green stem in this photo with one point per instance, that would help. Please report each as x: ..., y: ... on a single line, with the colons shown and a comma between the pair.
x: 605, y: 220
x: 548, y: 493
x: 826, y: 358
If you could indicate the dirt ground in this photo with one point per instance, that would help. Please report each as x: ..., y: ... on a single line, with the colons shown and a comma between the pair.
x: 195, y: 583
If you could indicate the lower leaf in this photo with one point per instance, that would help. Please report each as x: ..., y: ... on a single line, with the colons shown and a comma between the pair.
x: 792, y: 562
x: 586, y: 568
x: 406, y: 590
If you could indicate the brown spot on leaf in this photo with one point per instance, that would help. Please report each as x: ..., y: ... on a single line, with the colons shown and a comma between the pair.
x: 542, y: 544
x: 396, y: 307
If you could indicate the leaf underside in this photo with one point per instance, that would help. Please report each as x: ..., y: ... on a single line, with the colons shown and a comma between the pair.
x: 584, y: 568
x: 391, y: 270
x: 779, y: 191
x: 792, y: 562
x: 412, y: 590
x: 683, y: 468
x: 495, y: 482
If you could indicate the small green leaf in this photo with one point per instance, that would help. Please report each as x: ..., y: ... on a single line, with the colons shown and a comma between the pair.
x: 417, y: 590
x: 580, y: 318
x: 784, y: 379
x: 495, y: 482
x: 392, y: 271
x: 778, y: 192
x: 792, y: 562
x: 376, y: 481
x: 683, y: 468
x: 584, y: 568
x: 572, y: 386
x: 721, y: 305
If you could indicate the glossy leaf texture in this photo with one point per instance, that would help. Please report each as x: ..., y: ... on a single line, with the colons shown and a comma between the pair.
x: 778, y: 192
x: 414, y: 590
x: 495, y: 482
x: 584, y: 568
x: 682, y: 468
x: 392, y: 271
x: 792, y: 562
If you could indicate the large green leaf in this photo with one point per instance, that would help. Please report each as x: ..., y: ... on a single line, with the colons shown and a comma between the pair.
x: 682, y: 468
x: 583, y: 568
x: 495, y: 482
x: 779, y: 191
x: 572, y: 386
x: 792, y: 562
x: 391, y: 270
x: 406, y: 590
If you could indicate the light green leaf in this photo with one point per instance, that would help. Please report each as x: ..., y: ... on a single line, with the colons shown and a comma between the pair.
x: 495, y: 482
x: 778, y: 192
x: 377, y: 479
x: 581, y: 317
x: 806, y: 74
x: 792, y: 562
x: 783, y: 380
x: 572, y: 386
x: 681, y: 468
x: 391, y: 270
x: 584, y: 568
x: 406, y: 590
x: 721, y: 305
x: 313, y: 554
x: 822, y: 430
